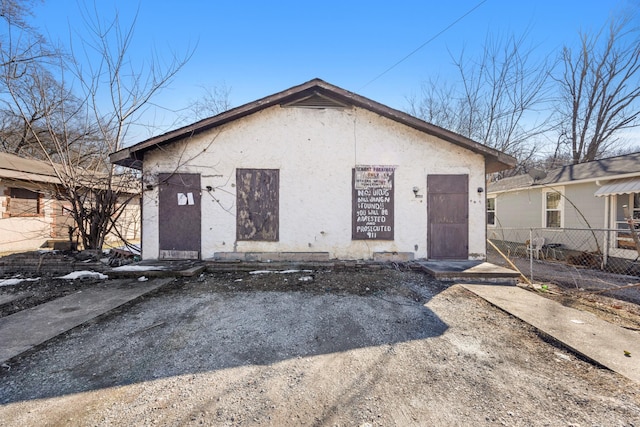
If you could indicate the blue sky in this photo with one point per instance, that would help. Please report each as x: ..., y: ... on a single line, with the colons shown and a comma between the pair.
x: 257, y: 48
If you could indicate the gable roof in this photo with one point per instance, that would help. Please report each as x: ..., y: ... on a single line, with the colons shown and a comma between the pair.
x: 618, y: 167
x: 16, y: 168
x: 316, y: 88
x: 19, y: 168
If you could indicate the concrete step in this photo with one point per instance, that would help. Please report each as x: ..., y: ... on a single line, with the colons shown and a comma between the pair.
x: 465, y: 271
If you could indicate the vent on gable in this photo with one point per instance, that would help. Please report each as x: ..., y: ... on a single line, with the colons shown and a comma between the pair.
x: 316, y: 100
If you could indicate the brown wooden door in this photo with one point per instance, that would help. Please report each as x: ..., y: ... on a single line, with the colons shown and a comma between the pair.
x: 448, y: 216
x: 179, y: 216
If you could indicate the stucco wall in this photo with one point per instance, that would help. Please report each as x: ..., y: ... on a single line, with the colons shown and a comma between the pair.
x: 315, y: 151
x: 23, y: 234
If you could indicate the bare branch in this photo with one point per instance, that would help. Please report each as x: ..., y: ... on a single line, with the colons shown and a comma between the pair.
x: 76, y: 131
x: 497, y: 95
x: 600, y: 89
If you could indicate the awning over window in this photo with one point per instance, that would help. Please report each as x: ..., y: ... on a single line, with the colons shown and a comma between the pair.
x: 619, y: 186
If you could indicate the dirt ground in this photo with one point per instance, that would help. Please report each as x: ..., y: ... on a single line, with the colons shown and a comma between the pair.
x: 363, y: 348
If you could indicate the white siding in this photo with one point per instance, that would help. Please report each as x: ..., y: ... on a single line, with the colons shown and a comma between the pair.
x: 519, y: 209
x: 524, y: 208
x: 586, y: 204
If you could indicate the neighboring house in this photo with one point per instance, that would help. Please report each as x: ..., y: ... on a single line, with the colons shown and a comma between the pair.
x: 587, y: 195
x: 32, y: 216
x: 313, y: 172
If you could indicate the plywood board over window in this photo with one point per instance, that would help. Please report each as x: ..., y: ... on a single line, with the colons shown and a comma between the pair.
x: 257, y: 201
x: 23, y: 202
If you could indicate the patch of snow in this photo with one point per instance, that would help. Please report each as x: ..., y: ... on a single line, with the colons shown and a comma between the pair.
x: 16, y: 280
x: 139, y: 268
x: 305, y: 279
x: 84, y: 274
x: 279, y: 272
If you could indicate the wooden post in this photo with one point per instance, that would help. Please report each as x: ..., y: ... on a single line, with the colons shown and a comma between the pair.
x: 509, y: 262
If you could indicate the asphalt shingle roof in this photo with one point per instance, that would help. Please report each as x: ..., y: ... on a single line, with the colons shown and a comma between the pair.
x: 627, y: 164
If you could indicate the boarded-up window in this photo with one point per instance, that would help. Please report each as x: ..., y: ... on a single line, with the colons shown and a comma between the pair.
x: 23, y: 202
x: 257, y: 204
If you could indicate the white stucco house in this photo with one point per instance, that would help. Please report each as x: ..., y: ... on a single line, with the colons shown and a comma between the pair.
x: 30, y: 216
x: 33, y: 216
x: 590, y: 195
x: 313, y: 172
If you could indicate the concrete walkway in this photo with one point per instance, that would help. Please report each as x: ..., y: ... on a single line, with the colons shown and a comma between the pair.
x: 581, y: 331
x: 26, y: 329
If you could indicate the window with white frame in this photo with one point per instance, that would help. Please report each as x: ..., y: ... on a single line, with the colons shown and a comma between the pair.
x: 553, y: 207
x: 491, y: 211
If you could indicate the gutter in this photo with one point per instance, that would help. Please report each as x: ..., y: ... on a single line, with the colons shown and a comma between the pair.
x: 598, y: 181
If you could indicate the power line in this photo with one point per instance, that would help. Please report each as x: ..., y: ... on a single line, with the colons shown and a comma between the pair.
x: 425, y: 43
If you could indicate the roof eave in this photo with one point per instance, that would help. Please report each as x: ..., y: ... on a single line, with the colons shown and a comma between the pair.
x: 132, y: 156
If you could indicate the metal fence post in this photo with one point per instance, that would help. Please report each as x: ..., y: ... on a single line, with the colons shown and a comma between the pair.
x: 579, y: 251
x: 530, y: 249
x: 605, y: 244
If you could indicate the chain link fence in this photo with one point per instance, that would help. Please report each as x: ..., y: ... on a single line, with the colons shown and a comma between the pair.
x: 592, y: 259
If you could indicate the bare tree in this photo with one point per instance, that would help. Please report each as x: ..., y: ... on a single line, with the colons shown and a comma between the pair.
x: 37, y: 105
x: 214, y: 100
x: 600, y: 90
x: 22, y: 51
x: 113, y: 93
x: 19, y: 42
x: 495, y: 100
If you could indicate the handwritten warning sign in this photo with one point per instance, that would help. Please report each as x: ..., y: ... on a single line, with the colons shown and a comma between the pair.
x: 373, y: 203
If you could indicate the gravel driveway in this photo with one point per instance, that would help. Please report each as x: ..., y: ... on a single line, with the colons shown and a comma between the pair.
x: 311, y: 348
